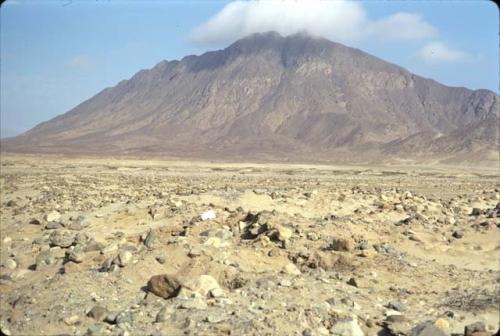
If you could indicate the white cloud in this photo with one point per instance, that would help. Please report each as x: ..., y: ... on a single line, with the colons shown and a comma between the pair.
x: 438, y: 52
x: 340, y: 20
x: 80, y: 61
x: 402, y: 26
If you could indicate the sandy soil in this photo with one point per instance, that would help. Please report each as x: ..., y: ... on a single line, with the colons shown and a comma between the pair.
x: 293, y: 249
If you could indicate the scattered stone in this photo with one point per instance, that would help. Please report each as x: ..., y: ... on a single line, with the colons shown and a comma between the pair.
x: 396, y: 305
x: 72, y: 267
x: 52, y: 216
x: 427, y: 329
x: 331, y: 301
x: 307, y: 332
x: 109, y: 265
x: 164, y: 314
x: 197, y: 303
x: 367, y: 254
x: 53, y: 226
x: 155, y: 213
x: 202, y: 284
x: 216, y: 242
x: 10, y: 264
x: 210, y: 214
x: 291, y: 269
x: 124, y: 258
x: 44, y: 259
x: 74, y: 226
x: 71, y: 320
x: 342, y: 244
x: 161, y: 259
x: 217, y: 293
x: 76, y: 255
x: 19, y: 273
x: 111, y: 317
x: 82, y: 221
x: 35, y: 221
x: 458, y: 234
x: 222, y: 234
x: 61, y: 238
x: 97, y: 329
x: 314, y: 237
x: 124, y: 317
x: 98, y: 313
x: 476, y: 212
x: 150, y: 239
x: 347, y: 328
x: 442, y: 324
x: 285, y: 283
x: 215, y: 318
x: 284, y: 233
x: 92, y: 245
x: 353, y: 282
x: 164, y: 285
x: 195, y: 252
x: 396, y: 318
x: 474, y: 327
x: 4, y: 330
x: 113, y: 247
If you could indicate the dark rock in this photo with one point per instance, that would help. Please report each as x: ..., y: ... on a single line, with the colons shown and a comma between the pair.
x: 353, y: 282
x: 331, y: 301
x: 307, y: 332
x: 342, y: 244
x: 111, y: 318
x: 150, y: 239
x: 476, y: 212
x: 396, y: 305
x: 427, y: 329
x: 52, y: 226
x: 396, y: 318
x: 164, y: 285
x: 108, y: 265
x: 35, y: 221
x: 458, y: 234
x: 474, y: 327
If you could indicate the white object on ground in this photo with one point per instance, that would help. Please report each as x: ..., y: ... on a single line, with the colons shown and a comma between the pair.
x: 210, y: 214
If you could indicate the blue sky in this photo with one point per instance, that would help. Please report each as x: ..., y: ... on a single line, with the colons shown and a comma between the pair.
x: 56, y: 54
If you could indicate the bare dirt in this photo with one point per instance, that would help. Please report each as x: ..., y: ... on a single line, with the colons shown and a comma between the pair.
x: 292, y: 250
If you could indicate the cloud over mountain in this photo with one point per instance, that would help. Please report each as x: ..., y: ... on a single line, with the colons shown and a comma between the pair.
x: 341, y: 20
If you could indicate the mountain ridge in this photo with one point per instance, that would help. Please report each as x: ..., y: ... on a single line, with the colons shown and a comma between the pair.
x: 268, y: 95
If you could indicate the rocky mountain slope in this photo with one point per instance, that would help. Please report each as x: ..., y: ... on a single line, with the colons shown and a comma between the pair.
x: 283, y: 98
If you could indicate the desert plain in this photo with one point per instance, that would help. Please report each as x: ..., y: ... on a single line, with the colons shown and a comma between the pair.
x: 113, y: 246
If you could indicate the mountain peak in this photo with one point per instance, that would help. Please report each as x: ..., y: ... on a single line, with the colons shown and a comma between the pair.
x: 275, y: 41
x: 279, y: 96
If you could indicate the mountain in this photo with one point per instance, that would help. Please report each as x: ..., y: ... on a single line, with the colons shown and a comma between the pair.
x: 269, y: 97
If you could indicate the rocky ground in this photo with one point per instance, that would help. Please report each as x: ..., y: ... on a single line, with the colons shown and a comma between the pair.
x: 121, y: 247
